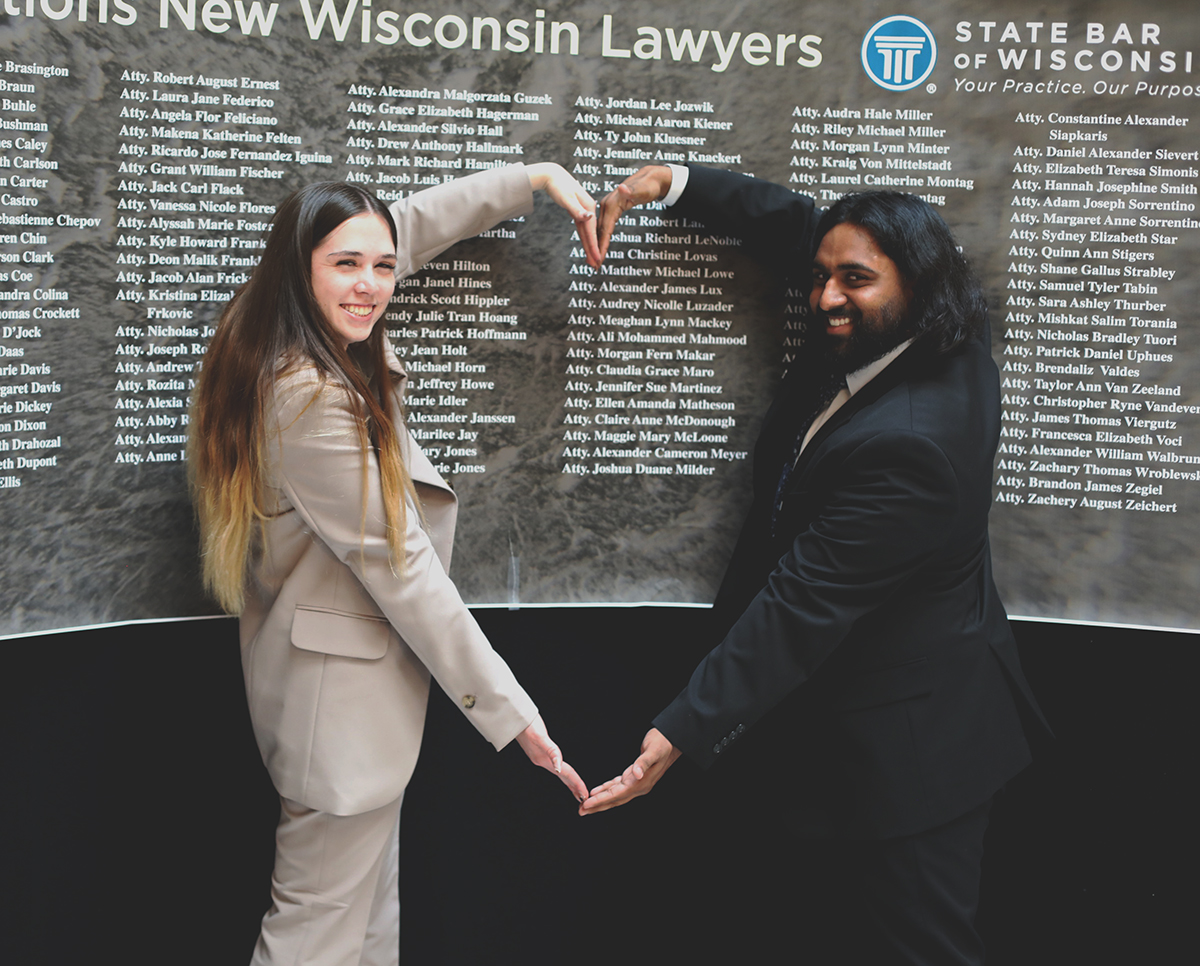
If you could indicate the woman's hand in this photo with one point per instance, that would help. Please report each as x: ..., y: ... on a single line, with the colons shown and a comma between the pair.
x: 560, y: 185
x: 543, y: 752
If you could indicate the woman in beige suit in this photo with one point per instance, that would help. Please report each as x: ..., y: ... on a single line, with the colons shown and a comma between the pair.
x: 329, y: 532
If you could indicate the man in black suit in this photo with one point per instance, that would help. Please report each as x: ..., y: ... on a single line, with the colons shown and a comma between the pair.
x: 862, y: 579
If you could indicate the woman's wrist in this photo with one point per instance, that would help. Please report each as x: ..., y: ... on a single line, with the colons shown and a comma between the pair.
x: 540, y: 173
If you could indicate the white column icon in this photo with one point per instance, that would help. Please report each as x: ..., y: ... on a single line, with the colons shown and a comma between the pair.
x: 898, y: 56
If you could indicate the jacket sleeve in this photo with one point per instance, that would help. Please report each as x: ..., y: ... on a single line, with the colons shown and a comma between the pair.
x: 430, y: 221
x: 775, y: 224
x: 891, y: 504
x: 320, y: 469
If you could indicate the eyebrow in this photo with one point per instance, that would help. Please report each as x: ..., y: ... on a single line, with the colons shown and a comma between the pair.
x: 359, y: 254
x: 848, y: 266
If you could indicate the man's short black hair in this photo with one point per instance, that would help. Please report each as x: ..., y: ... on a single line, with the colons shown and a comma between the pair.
x: 948, y: 307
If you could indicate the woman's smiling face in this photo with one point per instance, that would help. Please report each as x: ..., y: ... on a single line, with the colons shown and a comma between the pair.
x: 353, y: 275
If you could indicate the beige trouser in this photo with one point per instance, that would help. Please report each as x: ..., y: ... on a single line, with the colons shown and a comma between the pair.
x: 335, y: 890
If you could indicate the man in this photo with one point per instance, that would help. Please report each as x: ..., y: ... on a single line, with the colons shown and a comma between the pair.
x: 862, y: 580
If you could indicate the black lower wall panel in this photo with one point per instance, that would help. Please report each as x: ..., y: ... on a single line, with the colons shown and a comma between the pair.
x: 138, y: 818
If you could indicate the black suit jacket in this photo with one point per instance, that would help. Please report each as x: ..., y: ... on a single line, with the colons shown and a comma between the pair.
x: 875, y: 598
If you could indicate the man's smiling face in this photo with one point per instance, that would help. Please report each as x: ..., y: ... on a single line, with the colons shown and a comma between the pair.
x: 859, y: 297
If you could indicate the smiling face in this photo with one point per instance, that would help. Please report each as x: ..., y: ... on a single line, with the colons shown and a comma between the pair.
x: 353, y: 275
x: 859, y: 296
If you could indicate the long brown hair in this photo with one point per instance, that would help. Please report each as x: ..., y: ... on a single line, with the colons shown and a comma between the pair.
x: 273, y: 323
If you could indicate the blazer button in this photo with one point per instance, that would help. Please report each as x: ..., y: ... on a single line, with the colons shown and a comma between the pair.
x: 717, y: 748
x: 740, y: 728
x: 468, y: 701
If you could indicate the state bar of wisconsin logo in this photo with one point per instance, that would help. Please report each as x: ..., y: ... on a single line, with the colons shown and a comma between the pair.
x: 899, y: 53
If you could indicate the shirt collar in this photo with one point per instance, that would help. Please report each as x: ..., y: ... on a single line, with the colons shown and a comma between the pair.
x: 860, y: 377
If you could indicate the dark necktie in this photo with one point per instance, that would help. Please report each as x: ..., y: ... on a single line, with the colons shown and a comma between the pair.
x: 829, y: 389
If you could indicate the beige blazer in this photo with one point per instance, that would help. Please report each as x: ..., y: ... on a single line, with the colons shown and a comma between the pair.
x: 337, y: 649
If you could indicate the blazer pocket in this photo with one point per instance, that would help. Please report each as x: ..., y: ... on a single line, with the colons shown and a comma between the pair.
x: 885, y: 685
x: 362, y: 636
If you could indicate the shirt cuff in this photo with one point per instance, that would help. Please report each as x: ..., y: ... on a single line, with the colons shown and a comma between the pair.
x: 679, y: 180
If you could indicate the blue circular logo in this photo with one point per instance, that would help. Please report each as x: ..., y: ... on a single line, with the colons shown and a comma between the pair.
x: 899, y: 53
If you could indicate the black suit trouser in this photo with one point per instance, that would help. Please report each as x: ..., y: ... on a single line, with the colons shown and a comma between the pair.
x: 916, y: 896
x: 906, y: 901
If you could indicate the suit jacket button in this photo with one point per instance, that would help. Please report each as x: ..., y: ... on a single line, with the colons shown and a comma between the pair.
x: 468, y: 701
x: 741, y: 728
x: 717, y: 748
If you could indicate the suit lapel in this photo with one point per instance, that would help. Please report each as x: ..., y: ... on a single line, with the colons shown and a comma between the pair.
x: 419, y: 467
x: 900, y: 369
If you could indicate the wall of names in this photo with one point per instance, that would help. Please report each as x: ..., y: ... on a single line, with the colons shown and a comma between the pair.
x: 596, y: 425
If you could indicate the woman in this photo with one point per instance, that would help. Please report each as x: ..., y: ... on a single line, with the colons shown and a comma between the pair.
x: 328, y: 531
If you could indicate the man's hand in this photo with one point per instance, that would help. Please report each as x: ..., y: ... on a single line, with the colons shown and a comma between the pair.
x: 650, y: 183
x: 561, y: 185
x: 658, y: 754
x: 543, y: 752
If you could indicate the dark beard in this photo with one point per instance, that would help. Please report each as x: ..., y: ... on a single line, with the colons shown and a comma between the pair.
x: 865, y: 344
